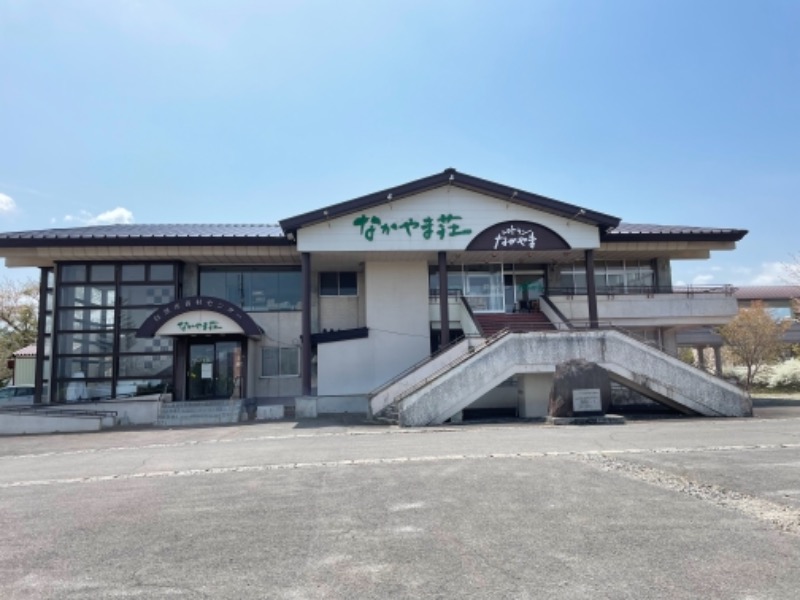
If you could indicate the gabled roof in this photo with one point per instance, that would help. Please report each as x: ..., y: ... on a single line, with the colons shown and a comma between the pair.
x: 146, y: 235
x: 27, y: 351
x: 634, y: 232
x: 456, y: 179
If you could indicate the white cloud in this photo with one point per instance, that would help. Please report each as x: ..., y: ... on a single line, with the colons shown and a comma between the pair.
x: 116, y: 215
x: 702, y: 279
x: 109, y: 217
x: 7, y: 204
x: 771, y: 273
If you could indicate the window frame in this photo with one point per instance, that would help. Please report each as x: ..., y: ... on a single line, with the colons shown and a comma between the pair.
x: 339, y: 286
x: 280, y: 351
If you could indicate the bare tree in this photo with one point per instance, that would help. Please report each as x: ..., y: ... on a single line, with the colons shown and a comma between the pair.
x: 792, y: 269
x: 19, y: 318
x: 754, y: 338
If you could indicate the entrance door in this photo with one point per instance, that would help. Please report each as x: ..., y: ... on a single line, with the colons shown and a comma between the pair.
x: 527, y: 289
x: 215, y: 370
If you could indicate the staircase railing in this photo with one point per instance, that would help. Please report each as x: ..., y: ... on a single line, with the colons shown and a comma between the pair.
x: 556, y: 311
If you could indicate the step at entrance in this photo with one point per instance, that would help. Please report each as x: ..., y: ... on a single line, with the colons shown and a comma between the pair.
x: 491, y: 323
x: 205, y: 412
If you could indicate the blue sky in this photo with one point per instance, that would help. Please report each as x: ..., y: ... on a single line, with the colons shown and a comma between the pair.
x: 668, y: 112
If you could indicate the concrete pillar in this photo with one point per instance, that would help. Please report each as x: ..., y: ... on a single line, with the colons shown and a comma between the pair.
x: 669, y: 341
x: 444, y: 313
x: 591, y: 290
x: 718, y: 359
x: 40, y: 343
x: 701, y: 359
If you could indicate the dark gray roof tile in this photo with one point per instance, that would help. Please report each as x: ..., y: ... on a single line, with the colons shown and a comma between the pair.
x: 164, y: 234
x: 644, y: 232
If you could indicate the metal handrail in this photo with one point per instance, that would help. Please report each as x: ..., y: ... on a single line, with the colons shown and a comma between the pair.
x: 648, y: 290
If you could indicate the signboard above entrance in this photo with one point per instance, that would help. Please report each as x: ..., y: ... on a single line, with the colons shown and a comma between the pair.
x: 198, y: 315
x: 518, y: 235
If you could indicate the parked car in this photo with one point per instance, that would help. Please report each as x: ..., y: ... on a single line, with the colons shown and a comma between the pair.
x: 16, y: 394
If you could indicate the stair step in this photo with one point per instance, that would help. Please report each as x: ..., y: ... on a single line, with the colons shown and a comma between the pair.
x: 492, y: 323
x: 204, y: 412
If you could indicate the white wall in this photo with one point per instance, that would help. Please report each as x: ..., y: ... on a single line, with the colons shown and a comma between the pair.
x: 343, y: 312
x: 396, y: 295
x: 24, y: 370
x: 477, y: 212
x: 281, y: 329
x: 651, y: 311
x: 534, y: 392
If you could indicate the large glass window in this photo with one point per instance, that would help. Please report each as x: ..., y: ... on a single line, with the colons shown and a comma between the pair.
x: 99, y: 308
x: 254, y: 289
x: 610, y: 277
x: 280, y: 362
x: 43, y: 372
x: 482, y: 285
x: 455, y: 281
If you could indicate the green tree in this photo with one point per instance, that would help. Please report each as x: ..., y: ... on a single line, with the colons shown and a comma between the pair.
x: 754, y: 339
x: 19, y: 319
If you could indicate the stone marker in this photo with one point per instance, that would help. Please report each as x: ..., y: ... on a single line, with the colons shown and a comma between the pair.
x: 587, y: 379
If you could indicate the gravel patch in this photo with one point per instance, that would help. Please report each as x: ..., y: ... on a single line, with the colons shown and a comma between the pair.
x: 783, y: 518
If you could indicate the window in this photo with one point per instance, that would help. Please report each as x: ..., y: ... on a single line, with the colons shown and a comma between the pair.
x: 280, y: 362
x: 95, y: 350
x: 610, y: 277
x: 338, y: 283
x: 254, y: 289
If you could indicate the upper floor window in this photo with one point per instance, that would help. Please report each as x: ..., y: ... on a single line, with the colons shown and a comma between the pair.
x: 610, y: 277
x: 338, y: 283
x: 254, y: 289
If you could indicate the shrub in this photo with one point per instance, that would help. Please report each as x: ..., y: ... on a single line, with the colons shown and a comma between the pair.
x: 785, y: 375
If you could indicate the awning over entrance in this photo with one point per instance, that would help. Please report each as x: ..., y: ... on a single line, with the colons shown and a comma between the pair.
x: 199, y: 315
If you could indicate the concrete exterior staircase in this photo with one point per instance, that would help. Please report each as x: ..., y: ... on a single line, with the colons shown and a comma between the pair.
x: 492, y: 323
x: 199, y: 412
x: 632, y: 363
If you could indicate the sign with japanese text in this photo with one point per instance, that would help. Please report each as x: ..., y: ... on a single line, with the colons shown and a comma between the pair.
x: 586, y: 400
x: 518, y: 235
x: 442, y: 226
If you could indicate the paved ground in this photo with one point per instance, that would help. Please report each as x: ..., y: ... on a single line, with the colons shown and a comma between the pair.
x: 674, y: 508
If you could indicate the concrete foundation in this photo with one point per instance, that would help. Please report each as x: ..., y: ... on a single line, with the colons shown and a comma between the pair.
x: 305, y: 407
x: 274, y: 412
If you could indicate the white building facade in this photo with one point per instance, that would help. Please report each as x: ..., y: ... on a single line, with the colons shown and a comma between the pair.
x: 334, y: 303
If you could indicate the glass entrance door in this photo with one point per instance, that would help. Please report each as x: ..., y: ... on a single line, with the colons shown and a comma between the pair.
x: 528, y: 288
x: 215, y: 370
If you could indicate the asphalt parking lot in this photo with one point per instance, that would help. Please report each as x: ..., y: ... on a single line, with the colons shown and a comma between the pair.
x: 672, y: 508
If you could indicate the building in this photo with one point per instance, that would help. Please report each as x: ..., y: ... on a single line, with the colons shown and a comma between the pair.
x: 24, y: 366
x: 782, y: 301
x: 333, y: 305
